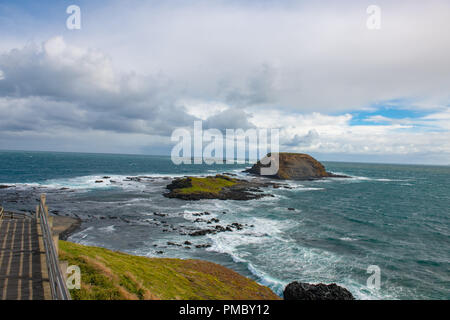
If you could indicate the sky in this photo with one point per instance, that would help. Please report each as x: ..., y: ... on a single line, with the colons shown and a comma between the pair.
x: 137, y: 70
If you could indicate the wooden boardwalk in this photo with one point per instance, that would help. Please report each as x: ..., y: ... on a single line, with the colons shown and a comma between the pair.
x: 23, y: 266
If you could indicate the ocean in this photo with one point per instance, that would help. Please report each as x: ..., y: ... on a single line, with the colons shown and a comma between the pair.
x: 396, y: 217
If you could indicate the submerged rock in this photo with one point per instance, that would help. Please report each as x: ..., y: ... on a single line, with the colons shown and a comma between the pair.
x: 201, y: 232
x: 294, y: 166
x: 200, y: 246
x: 305, y: 291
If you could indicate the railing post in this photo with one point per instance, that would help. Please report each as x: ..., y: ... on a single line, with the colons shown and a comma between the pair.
x: 37, y: 212
x: 56, y: 242
x: 57, y: 278
x: 63, y: 265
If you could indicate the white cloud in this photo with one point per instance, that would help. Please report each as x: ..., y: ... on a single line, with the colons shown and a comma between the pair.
x: 440, y: 120
x: 297, y: 66
x: 55, y: 47
x: 299, y: 56
x: 203, y: 109
x: 328, y: 134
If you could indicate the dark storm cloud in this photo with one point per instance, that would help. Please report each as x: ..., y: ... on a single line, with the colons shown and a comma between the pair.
x: 58, y: 85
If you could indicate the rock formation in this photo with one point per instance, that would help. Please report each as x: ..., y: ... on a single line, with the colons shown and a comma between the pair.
x: 219, y: 187
x: 295, y: 166
x: 305, y: 291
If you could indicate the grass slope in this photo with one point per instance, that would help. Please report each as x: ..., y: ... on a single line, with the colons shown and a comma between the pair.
x: 208, y: 185
x: 111, y: 275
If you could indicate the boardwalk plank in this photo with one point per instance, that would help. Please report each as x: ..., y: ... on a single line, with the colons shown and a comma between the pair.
x: 21, y: 260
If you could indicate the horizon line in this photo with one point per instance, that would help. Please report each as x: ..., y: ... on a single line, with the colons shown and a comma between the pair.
x: 168, y: 155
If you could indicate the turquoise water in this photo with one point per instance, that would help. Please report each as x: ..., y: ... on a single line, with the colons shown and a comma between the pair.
x: 392, y: 216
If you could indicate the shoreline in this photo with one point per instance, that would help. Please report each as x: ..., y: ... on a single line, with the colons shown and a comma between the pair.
x: 64, y: 227
x: 115, y: 275
x: 173, y: 220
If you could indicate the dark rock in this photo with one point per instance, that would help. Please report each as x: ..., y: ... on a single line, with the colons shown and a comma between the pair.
x: 237, y: 226
x: 98, y: 181
x: 200, y: 246
x: 305, y: 291
x: 217, y: 228
x: 201, y: 232
x: 180, y: 183
x: 220, y: 228
x: 159, y: 214
x: 291, y: 209
x: 135, y: 179
x: 5, y: 186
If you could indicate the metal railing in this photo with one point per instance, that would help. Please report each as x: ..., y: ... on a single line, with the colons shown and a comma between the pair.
x: 2, y: 212
x: 57, y: 281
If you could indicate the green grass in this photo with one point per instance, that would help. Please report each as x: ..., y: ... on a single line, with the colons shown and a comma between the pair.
x: 208, y: 185
x: 111, y: 275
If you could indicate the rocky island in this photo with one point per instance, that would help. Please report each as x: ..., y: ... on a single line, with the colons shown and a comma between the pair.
x: 220, y: 186
x: 294, y: 166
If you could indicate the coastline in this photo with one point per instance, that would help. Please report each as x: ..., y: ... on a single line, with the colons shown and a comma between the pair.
x: 114, y: 275
x: 131, y: 215
x: 107, y: 264
x: 64, y: 227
